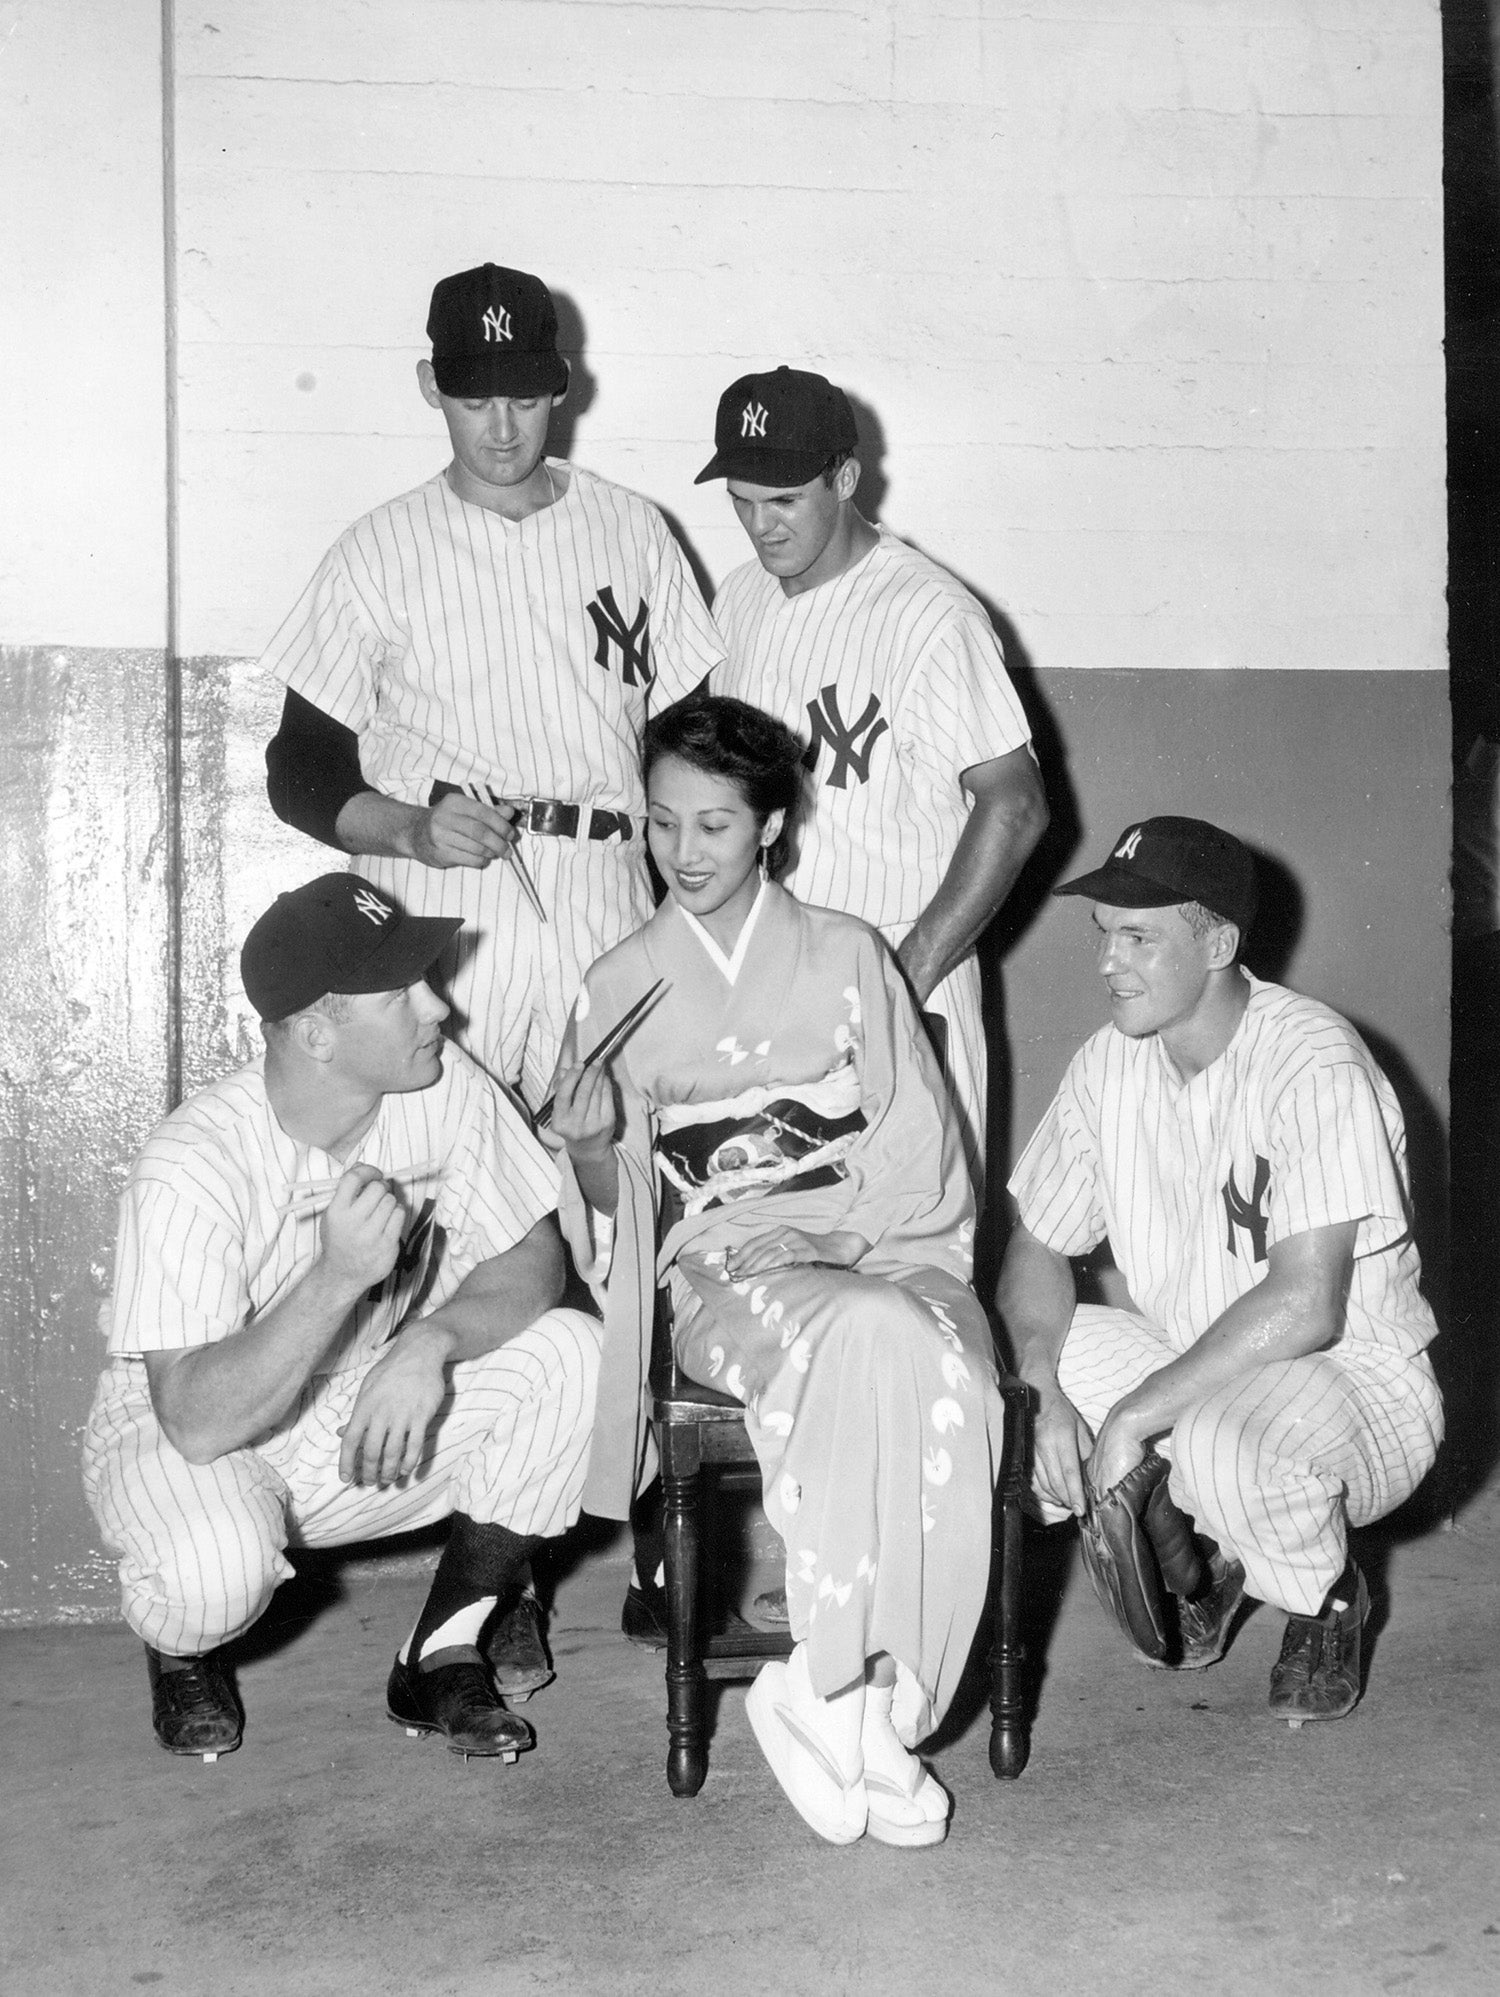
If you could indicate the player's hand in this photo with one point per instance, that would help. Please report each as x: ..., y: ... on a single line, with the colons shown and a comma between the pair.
x: 584, y: 1113
x: 459, y: 831
x: 396, y: 1405
x: 1061, y: 1443
x: 361, y: 1233
x: 1118, y: 1447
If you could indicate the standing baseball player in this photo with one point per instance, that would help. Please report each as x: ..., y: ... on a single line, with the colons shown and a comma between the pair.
x: 1246, y: 1160
x: 925, y: 798
x: 468, y: 673
x: 333, y: 1320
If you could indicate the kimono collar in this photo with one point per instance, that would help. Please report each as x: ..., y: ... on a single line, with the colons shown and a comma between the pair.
x: 730, y: 966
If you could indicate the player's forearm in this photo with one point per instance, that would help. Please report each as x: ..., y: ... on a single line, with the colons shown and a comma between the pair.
x: 373, y: 823
x: 1008, y: 817
x: 1298, y: 1309
x: 1035, y: 1297
x: 598, y: 1179
x: 499, y: 1298
x: 212, y: 1399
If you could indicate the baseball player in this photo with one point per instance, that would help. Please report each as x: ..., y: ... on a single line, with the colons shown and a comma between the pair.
x: 332, y: 1320
x: 1246, y: 1160
x: 924, y: 793
x: 468, y: 673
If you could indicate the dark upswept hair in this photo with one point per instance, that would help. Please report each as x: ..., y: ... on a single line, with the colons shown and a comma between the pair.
x: 727, y: 738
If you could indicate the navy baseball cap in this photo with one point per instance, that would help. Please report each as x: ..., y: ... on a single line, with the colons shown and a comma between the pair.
x: 494, y: 332
x: 1158, y: 862
x: 779, y: 428
x: 337, y: 934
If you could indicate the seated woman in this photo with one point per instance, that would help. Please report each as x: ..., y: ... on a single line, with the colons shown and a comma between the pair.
x: 777, y: 1123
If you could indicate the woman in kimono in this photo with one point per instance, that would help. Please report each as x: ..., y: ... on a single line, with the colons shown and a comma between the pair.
x: 774, y: 1141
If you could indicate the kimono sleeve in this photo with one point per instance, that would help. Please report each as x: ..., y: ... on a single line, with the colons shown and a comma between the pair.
x: 907, y: 1177
x: 180, y: 1277
x: 331, y: 647
x: 685, y: 641
x: 1057, y: 1183
x: 1333, y: 1159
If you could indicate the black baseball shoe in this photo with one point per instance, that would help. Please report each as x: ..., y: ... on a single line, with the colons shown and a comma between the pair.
x: 459, y: 1701
x: 1318, y: 1674
x: 193, y: 1707
x: 517, y: 1649
x: 644, y: 1615
x: 1205, y: 1623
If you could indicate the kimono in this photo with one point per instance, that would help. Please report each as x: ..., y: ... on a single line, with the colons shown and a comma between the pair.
x: 791, y: 1084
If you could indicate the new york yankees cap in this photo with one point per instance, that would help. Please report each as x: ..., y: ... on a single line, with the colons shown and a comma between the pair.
x: 336, y: 934
x: 494, y: 332
x: 1158, y: 862
x: 779, y: 428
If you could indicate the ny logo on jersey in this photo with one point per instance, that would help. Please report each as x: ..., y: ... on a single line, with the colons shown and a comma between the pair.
x: 634, y: 640
x: 753, y: 419
x: 842, y: 741
x: 371, y: 907
x: 1248, y: 1214
x: 411, y: 1258
x: 1126, y: 849
x: 496, y: 323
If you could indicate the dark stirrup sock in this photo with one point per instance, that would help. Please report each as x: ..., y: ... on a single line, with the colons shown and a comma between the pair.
x: 478, y: 1564
x: 647, y: 1529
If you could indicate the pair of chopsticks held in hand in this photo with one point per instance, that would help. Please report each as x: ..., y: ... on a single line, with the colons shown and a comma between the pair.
x: 611, y: 1044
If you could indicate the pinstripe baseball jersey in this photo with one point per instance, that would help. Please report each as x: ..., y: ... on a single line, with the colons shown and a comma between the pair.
x: 518, y: 654
x: 1292, y: 1128
x: 219, y: 1218
x: 893, y: 676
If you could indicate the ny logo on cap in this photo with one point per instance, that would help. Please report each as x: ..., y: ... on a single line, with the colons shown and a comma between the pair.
x: 753, y: 420
x: 496, y: 323
x: 1126, y: 849
x: 371, y: 907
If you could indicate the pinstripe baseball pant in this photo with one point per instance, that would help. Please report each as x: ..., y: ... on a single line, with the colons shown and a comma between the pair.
x: 1277, y: 1465
x: 510, y: 978
x: 202, y: 1547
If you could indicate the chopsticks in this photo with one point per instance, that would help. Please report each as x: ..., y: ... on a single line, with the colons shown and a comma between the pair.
x: 313, y: 1194
x: 610, y: 1045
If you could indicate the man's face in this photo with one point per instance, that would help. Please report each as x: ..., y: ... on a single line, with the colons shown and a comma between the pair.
x: 1156, y: 969
x: 392, y: 1042
x: 498, y: 440
x: 795, y: 530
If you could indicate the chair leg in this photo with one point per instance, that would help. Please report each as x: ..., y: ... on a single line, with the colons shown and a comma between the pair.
x: 687, y: 1716
x: 1010, y: 1732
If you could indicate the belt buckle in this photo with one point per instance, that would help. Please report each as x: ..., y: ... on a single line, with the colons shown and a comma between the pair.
x: 552, y: 818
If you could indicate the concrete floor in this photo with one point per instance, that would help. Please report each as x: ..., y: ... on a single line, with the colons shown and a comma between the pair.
x: 1167, y: 1837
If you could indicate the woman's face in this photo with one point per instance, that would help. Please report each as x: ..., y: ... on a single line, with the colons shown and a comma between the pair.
x: 706, y: 841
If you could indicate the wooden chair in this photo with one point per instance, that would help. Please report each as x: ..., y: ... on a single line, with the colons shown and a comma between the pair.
x: 697, y: 1428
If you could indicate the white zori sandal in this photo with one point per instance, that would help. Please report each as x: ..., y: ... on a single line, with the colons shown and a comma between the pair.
x: 800, y: 1736
x: 907, y: 1803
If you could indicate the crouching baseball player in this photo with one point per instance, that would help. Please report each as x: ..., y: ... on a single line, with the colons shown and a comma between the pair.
x: 332, y: 1320
x: 1245, y: 1158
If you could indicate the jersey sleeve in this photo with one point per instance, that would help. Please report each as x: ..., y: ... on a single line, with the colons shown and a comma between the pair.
x: 498, y: 1182
x: 685, y: 641
x: 331, y: 646
x: 180, y: 1277
x: 312, y: 769
x: 1056, y: 1184
x: 962, y: 709
x: 1333, y: 1159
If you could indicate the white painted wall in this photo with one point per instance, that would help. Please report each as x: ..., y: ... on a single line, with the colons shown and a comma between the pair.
x: 1146, y: 297
x: 83, y: 490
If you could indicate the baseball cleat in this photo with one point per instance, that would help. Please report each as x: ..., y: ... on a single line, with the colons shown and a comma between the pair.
x: 193, y: 1707
x: 517, y: 1650
x: 1205, y: 1622
x: 459, y: 1701
x: 1318, y: 1674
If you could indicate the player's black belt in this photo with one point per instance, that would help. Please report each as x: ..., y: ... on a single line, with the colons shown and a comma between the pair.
x: 549, y: 815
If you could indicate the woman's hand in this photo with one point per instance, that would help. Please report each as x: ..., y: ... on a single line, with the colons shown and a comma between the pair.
x: 786, y: 1247
x: 583, y: 1111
